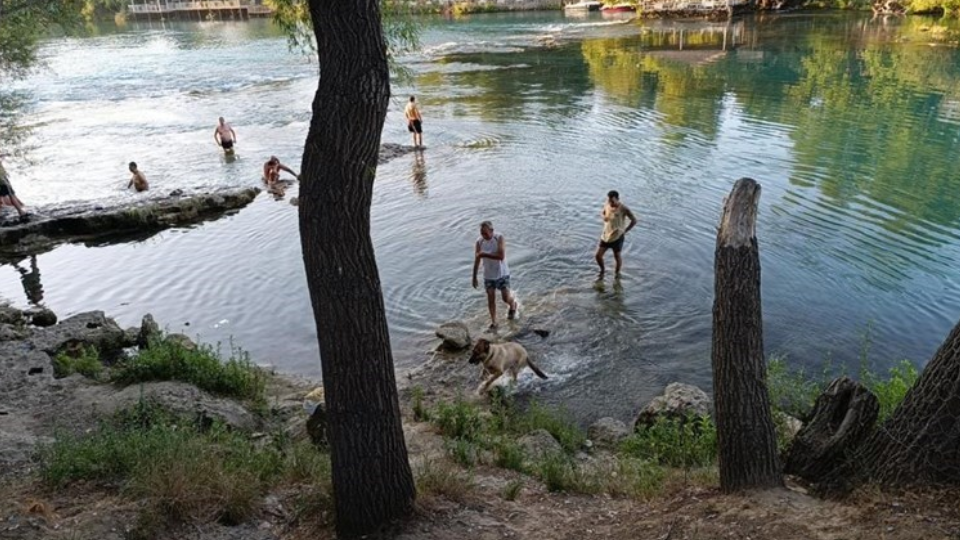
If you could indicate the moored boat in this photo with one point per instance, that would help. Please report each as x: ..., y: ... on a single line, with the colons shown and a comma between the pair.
x: 619, y: 8
x: 583, y: 5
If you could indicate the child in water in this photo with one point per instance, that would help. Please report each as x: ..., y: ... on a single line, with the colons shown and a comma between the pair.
x: 138, y: 181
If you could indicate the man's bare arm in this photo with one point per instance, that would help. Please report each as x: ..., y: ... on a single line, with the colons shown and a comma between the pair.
x: 632, y: 218
x: 476, y: 264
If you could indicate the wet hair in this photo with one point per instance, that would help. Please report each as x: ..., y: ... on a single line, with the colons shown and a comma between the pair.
x: 133, y: 165
x: 613, y: 194
x: 487, y: 224
x: 412, y: 99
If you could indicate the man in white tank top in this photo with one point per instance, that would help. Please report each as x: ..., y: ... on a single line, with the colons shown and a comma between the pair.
x: 491, y: 250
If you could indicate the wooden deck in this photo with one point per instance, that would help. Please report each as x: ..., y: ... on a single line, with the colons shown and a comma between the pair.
x: 195, y: 8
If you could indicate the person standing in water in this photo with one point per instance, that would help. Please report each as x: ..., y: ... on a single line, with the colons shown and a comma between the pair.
x: 225, y: 136
x: 137, y: 180
x: 615, y: 215
x: 272, y: 168
x: 414, y: 121
x: 491, y: 249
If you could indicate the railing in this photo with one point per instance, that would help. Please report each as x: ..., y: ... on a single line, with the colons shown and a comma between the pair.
x: 202, y: 5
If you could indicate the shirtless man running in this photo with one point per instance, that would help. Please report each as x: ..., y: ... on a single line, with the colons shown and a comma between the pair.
x: 225, y: 136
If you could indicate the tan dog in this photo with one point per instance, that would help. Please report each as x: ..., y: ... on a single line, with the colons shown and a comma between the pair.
x: 500, y: 358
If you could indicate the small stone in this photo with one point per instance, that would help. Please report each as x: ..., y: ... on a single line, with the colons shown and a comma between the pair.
x: 183, y: 341
x: 295, y: 201
x: 455, y: 336
x: 42, y: 317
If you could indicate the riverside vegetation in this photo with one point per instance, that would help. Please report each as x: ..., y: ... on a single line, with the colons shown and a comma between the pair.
x: 180, y: 470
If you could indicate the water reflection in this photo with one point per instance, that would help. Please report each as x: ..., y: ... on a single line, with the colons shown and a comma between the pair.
x: 418, y: 174
x: 30, y: 279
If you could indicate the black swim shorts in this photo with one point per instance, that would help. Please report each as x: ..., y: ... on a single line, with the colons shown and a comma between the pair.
x: 415, y: 126
x: 6, y: 190
x: 227, y: 145
x: 616, y: 245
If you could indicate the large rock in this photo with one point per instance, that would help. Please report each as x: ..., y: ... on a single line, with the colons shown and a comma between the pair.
x: 539, y: 443
x: 315, y: 406
x: 9, y: 332
x: 180, y: 398
x: 608, y: 432
x: 455, y: 336
x: 183, y: 341
x: 86, y: 329
x: 10, y: 315
x: 679, y: 401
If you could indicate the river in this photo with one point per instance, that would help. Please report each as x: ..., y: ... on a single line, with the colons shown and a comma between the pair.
x: 851, y: 126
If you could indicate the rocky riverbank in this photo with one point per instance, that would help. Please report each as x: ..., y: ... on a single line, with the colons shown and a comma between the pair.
x: 115, y: 433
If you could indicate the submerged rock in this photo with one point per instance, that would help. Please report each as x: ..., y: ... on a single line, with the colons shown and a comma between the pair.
x: 679, y: 401
x: 455, y: 336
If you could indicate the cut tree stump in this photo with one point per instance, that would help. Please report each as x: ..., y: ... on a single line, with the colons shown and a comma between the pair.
x: 842, y: 418
x: 746, y: 439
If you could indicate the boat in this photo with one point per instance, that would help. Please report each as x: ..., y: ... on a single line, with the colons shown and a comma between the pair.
x: 583, y: 5
x: 619, y: 8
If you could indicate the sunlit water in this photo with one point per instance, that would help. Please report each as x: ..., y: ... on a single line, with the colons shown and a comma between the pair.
x: 850, y: 125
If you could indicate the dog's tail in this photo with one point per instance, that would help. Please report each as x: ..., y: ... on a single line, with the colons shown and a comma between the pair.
x: 535, y: 369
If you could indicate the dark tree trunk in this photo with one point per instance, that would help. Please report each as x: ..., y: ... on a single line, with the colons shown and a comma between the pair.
x: 920, y: 443
x: 842, y: 419
x: 745, y: 432
x: 372, y: 481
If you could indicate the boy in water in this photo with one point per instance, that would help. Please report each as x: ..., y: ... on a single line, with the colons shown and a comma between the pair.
x: 414, y: 121
x: 137, y: 180
x: 615, y: 215
x: 272, y: 168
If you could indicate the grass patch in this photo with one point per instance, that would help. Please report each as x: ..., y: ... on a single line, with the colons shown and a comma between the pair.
x: 181, y: 471
x: 441, y: 479
x: 86, y: 362
x: 891, y: 391
x: 560, y: 473
x: 674, y: 443
x: 634, y: 478
x: 202, y: 366
x: 512, y: 490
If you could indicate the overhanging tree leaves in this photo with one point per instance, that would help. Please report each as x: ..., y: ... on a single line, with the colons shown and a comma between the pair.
x: 23, y: 23
x: 372, y: 481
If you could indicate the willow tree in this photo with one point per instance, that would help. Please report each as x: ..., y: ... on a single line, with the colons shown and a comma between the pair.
x: 372, y: 481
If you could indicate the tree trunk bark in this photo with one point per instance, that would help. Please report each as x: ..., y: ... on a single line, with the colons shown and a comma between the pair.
x: 920, y: 443
x: 372, y: 481
x: 842, y: 419
x: 745, y: 432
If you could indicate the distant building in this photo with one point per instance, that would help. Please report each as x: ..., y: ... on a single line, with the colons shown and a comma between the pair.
x: 188, y: 9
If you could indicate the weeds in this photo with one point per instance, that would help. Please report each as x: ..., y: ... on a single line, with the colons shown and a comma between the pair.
x: 512, y: 490
x: 180, y: 469
x: 890, y: 392
x: 86, y: 362
x: 166, y: 360
x: 440, y: 479
x: 674, y: 443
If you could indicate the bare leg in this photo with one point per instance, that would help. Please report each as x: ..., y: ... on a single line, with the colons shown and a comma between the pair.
x: 616, y: 256
x: 601, y: 251
x: 485, y: 387
x: 492, y: 305
x: 509, y: 298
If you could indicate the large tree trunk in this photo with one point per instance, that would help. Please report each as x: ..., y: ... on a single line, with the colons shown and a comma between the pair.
x: 745, y: 432
x: 372, y: 481
x: 920, y: 443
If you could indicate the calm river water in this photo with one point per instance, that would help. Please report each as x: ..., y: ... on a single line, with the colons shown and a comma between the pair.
x: 852, y: 127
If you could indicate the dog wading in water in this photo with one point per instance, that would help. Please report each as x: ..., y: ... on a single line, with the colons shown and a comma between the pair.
x: 500, y: 358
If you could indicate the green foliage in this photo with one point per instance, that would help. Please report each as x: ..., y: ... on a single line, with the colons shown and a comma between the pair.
x: 420, y: 412
x: 86, y: 363
x: 890, y: 392
x: 793, y: 391
x: 635, y: 478
x: 559, y: 424
x: 179, y: 469
x: 559, y: 473
x: 459, y: 420
x: 508, y: 454
x: 463, y: 452
x: 202, y: 366
x: 435, y: 479
x: 674, y: 443
x: 23, y: 23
